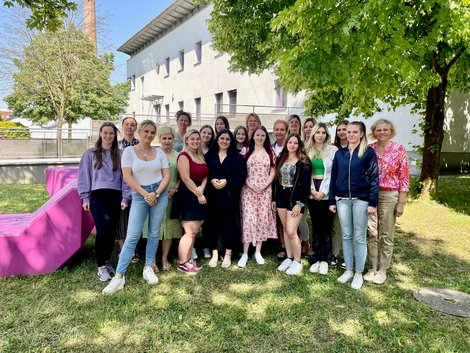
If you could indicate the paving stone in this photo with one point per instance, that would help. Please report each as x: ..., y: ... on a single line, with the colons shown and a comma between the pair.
x: 448, y: 301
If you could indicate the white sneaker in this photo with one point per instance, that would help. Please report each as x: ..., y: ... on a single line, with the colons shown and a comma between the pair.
x: 346, y: 277
x: 103, y: 274
x: 315, y: 267
x: 149, y: 275
x: 323, y: 270
x: 294, y: 269
x: 115, y: 285
x: 259, y: 258
x: 213, y: 261
x: 243, y: 260
x: 369, y: 276
x: 357, y: 282
x: 227, y: 262
x: 207, y: 253
x: 285, y: 264
x: 194, y: 254
x: 380, y: 277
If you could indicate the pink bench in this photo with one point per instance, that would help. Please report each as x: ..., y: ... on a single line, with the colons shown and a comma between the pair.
x: 41, y: 242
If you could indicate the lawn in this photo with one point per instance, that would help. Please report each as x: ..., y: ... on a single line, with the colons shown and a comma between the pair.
x: 253, y: 310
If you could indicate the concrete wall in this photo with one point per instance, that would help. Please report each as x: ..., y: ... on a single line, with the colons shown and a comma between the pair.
x: 29, y: 172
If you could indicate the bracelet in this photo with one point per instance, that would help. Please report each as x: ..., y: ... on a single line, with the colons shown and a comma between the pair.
x: 301, y: 204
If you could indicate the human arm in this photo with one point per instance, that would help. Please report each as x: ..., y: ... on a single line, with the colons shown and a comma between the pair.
x: 373, y: 174
x: 332, y: 189
x: 85, y: 175
x: 404, y: 182
x: 184, y: 172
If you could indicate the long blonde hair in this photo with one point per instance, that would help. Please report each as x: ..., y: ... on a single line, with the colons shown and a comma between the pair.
x: 199, y: 153
x: 311, y: 147
x: 363, y: 143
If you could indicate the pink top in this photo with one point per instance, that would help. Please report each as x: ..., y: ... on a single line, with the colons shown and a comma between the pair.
x: 393, y: 167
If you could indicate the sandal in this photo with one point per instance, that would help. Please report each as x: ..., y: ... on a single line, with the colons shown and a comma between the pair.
x: 166, y: 266
x: 281, y: 255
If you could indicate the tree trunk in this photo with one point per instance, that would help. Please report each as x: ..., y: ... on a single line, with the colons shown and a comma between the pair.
x: 433, y: 137
x: 69, y: 134
x: 59, y: 136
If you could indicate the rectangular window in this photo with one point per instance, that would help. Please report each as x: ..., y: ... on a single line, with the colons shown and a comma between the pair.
x: 232, y: 102
x: 167, y: 67
x: 142, y: 87
x: 181, y: 105
x: 157, y: 68
x: 198, y: 52
x: 280, y: 95
x: 132, y: 78
x: 167, y: 111
x: 219, y: 101
x: 181, y: 60
x: 197, y: 104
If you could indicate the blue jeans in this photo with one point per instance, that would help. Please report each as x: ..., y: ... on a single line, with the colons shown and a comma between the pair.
x: 353, y: 217
x: 139, y: 211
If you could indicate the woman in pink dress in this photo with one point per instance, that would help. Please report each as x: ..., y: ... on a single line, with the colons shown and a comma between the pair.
x: 257, y: 217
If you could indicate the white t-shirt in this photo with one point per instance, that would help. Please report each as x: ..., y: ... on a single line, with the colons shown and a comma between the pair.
x: 145, y: 172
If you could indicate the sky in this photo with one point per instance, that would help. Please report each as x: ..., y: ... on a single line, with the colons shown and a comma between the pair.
x: 121, y: 19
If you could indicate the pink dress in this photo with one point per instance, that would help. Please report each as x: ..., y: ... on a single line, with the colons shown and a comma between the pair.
x: 257, y: 217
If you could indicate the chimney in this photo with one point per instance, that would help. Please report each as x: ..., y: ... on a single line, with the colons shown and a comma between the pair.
x: 90, y: 21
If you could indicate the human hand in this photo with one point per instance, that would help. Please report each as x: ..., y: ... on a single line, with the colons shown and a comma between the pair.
x: 171, y: 193
x: 123, y: 205
x: 399, y: 208
x: 273, y: 206
x: 201, y: 199
x: 295, y: 211
x: 86, y: 206
x: 332, y: 208
x: 371, y: 210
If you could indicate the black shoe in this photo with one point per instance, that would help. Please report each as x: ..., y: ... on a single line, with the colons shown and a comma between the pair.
x: 334, y: 260
x: 343, y: 265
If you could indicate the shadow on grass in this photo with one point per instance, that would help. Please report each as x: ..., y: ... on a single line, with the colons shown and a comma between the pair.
x: 454, y: 192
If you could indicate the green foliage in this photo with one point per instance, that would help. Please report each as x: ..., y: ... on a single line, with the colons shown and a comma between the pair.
x: 44, y: 14
x: 14, y: 130
x: 415, y: 187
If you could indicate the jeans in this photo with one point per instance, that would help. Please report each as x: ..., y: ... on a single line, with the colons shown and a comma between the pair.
x: 353, y: 217
x: 139, y: 211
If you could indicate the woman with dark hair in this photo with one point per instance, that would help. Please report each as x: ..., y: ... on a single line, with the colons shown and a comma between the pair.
x: 207, y: 137
x: 291, y: 189
x: 145, y: 170
x: 241, y: 137
x: 354, y: 193
x: 257, y: 217
x: 221, y: 122
x: 341, y: 137
x: 307, y: 128
x: 294, y: 124
x: 183, y: 121
x: 227, y: 175
x: 103, y: 192
x: 252, y: 122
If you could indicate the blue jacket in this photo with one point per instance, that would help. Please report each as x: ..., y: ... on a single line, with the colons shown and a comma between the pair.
x: 354, y: 177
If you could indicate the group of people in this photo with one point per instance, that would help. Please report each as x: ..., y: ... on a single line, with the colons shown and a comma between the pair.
x: 230, y: 190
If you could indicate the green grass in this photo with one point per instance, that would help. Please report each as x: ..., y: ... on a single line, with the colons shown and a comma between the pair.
x: 253, y: 310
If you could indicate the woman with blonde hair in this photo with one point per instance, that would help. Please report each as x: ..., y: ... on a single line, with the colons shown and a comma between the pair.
x: 295, y: 124
x: 252, y: 123
x: 307, y: 128
x: 394, y: 185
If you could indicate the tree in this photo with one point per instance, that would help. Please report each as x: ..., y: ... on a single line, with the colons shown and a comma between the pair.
x: 60, y: 79
x: 44, y: 14
x: 349, y: 55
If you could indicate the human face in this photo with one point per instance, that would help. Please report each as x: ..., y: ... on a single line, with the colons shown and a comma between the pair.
x: 241, y: 136
x: 129, y: 126
x: 292, y: 144
x: 280, y: 132
x: 354, y: 134
x: 320, y: 135
x: 341, y: 132
x: 294, y: 125
x: 223, y: 142
x: 107, y: 136
x: 252, y: 123
x: 308, y: 126
x: 147, y: 133
x: 259, y: 137
x: 219, y: 125
x: 193, y: 141
x: 183, y: 123
x: 383, y: 132
x: 166, y: 141
x: 206, y: 135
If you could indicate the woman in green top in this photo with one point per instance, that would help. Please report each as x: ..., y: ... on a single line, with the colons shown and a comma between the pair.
x: 321, y: 154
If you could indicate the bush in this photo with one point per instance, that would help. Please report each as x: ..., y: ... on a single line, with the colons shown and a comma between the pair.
x: 13, y: 130
x: 415, y: 187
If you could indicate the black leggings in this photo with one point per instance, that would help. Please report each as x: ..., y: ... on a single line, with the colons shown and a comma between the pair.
x: 105, y: 206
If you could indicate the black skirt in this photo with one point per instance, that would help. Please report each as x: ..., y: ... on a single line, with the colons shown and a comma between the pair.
x: 186, y: 207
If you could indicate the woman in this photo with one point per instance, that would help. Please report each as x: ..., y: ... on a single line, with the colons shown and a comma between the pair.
x: 341, y: 141
x: 252, y: 123
x: 257, y: 218
x: 207, y: 137
x: 321, y: 155
x: 221, y: 122
x: 193, y: 209
x: 354, y: 192
x: 307, y: 128
x: 183, y: 121
x: 291, y: 189
x: 170, y: 228
x: 280, y: 133
x: 394, y: 184
x: 227, y: 175
x: 294, y: 124
x: 241, y: 136
x: 103, y: 192
x: 145, y: 170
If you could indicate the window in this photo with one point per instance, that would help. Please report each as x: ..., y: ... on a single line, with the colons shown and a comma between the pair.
x: 132, y: 78
x: 167, y: 111
x: 198, y: 52
x: 157, y: 68
x: 280, y: 95
x: 197, y: 103
x: 219, y: 101
x: 167, y: 67
x: 142, y: 87
x: 181, y: 60
x: 232, y: 101
x: 181, y: 105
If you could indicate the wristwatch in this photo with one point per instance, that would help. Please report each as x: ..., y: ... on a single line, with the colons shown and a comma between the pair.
x: 157, y: 195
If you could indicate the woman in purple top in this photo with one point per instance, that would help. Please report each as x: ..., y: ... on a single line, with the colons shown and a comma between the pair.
x: 104, y: 193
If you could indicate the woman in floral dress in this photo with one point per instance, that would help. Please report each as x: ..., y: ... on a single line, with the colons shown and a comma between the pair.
x: 257, y: 216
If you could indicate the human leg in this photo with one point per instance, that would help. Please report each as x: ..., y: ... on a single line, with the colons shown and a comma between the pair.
x: 359, y: 213
x: 156, y: 215
x: 344, y: 210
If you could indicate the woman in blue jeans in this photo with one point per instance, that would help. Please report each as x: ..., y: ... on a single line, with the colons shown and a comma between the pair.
x: 354, y: 193
x: 145, y: 170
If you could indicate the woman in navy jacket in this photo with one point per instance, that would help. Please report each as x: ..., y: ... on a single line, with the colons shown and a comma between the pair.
x: 354, y: 192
